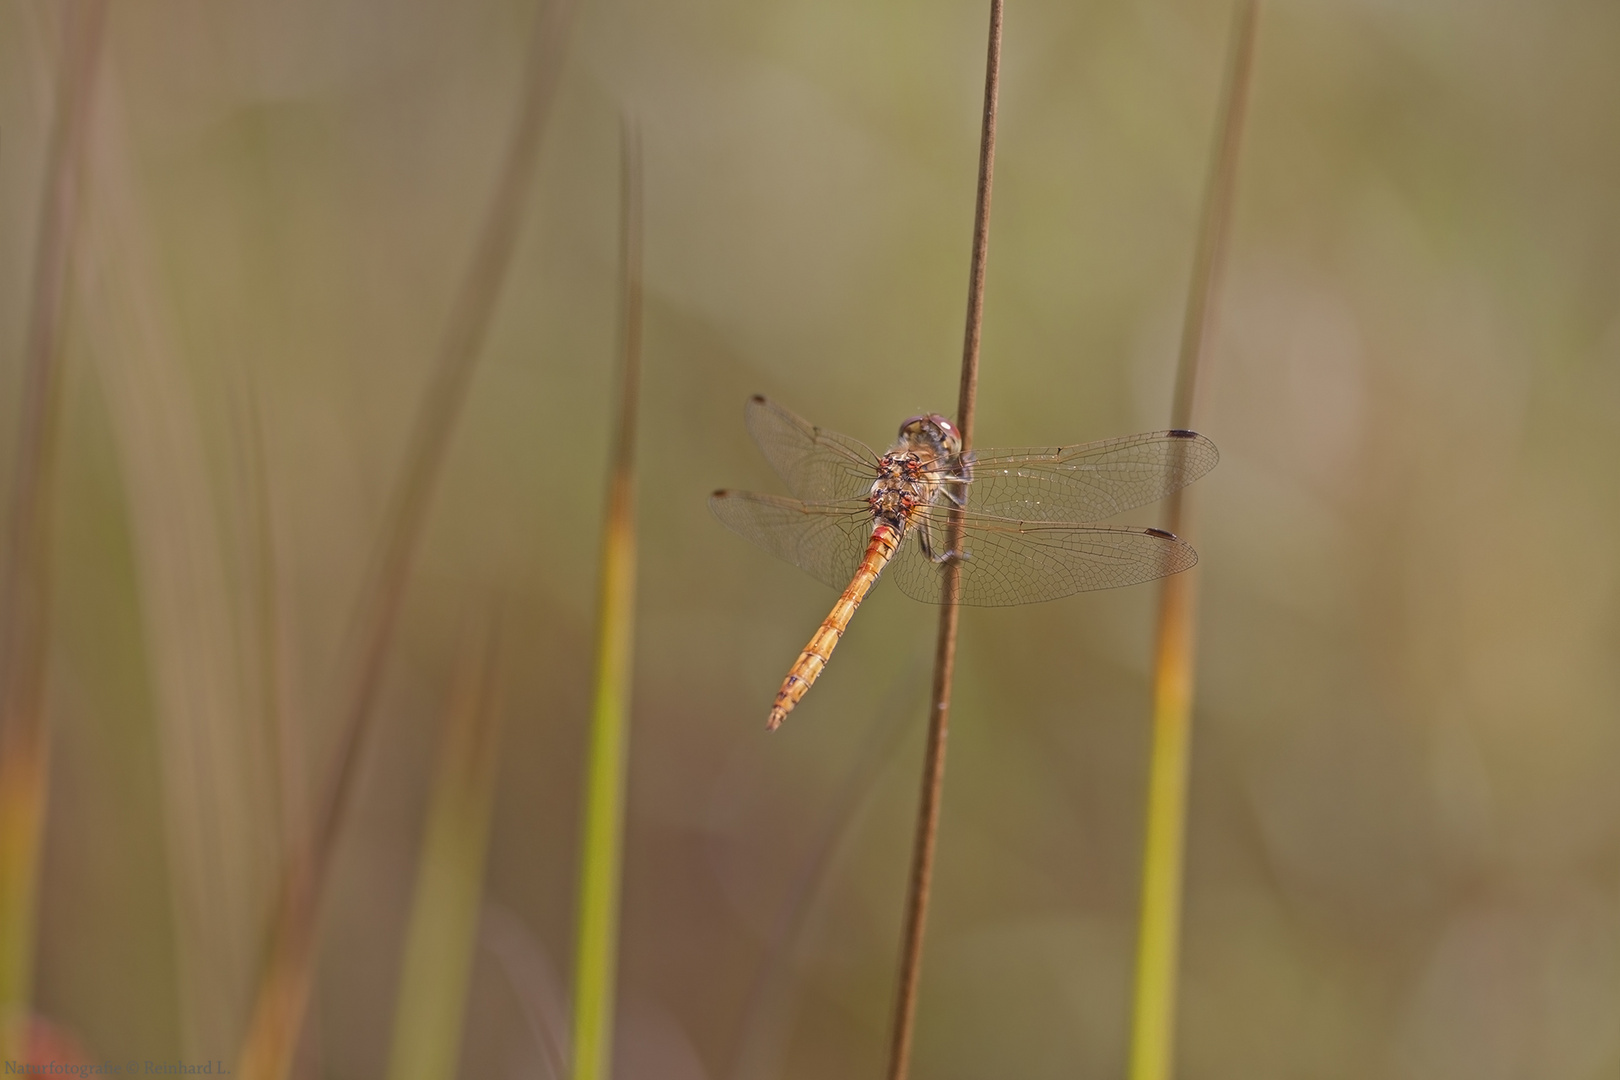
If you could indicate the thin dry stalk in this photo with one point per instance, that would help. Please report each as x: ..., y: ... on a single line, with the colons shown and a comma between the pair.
x: 1158, y: 940
x: 596, y: 937
x: 922, y: 858
x: 285, y: 984
x: 25, y: 571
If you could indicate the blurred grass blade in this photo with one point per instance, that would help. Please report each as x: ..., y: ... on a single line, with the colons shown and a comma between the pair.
x: 939, y: 711
x: 217, y: 796
x: 1153, y: 1025
x: 25, y: 562
x: 284, y: 985
x: 596, y: 938
x: 443, y: 931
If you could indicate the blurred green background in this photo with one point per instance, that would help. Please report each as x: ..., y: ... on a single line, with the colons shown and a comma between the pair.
x: 1404, y: 845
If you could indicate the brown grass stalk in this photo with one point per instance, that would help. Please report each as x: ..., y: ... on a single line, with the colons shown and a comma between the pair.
x: 285, y: 983
x: 25, y: 564
x: 922, y: 858
x: 1158, y: 940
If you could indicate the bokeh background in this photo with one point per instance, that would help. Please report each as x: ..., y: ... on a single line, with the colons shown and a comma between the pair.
x: 1405, y: 815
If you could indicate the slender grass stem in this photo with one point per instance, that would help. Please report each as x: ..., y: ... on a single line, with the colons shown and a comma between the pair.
x: 933, y: 780
x: 284, y: 987
x: 1152, y: 1048
x: 1197, y: 327
x: 596, y: 938
x: 25, y: 569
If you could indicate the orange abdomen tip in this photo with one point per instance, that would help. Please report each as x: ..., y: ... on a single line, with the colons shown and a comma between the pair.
x: 813, y: 660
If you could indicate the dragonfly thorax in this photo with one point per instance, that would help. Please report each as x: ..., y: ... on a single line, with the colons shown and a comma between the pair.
x: 900, y: 488
x: 902, y: 466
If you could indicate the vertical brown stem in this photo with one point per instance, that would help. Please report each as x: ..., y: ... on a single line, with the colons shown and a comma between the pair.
x: 933, y: 779
x: 631, y: 274
x: 1215, y: 222
x: 25, y: 571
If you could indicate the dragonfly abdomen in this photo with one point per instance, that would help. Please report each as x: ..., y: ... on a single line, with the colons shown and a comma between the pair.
x: 813, y: 660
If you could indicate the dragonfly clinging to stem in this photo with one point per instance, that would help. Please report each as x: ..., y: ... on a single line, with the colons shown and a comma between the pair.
x: 1009, y: 520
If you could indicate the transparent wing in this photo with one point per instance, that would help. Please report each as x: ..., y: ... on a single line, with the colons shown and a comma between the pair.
x: 819, y: 466
x: 1088, y: 482
x: 1027, y: 562
x: 825, y: 540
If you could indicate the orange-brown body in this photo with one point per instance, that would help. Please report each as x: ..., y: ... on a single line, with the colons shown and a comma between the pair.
x: 813, y: 660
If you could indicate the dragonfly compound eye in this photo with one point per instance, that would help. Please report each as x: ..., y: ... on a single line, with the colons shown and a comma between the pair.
x: 936, y: 429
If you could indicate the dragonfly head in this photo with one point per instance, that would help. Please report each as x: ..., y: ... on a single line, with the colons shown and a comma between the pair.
x: 934, y: 430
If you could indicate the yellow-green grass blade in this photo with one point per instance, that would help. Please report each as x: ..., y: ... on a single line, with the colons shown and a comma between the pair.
x: 443, y: 932
x: 24, y: 562
x: 1153, y: 1029
x: 1153, y: 1023
x: 596, y: 938
x: 597, y: 932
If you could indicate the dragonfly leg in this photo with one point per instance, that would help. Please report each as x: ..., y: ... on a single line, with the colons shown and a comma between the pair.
x: 925, y: 541
x: 940, y: 557
x: 926, y: 544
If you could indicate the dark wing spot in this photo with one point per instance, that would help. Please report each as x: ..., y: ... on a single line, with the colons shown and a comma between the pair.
x: 1160, y: 533
x: 1182, y: 433
x: 758, y: 399
x: 720, y: 493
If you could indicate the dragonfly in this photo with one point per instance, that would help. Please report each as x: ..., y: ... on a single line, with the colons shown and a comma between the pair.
x: 984, y: 528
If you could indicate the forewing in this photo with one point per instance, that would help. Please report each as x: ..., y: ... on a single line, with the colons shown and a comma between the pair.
x: 1027, y: 562
x: 1089, y: 482
x: 819, y: 466
x: 825, y: 540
